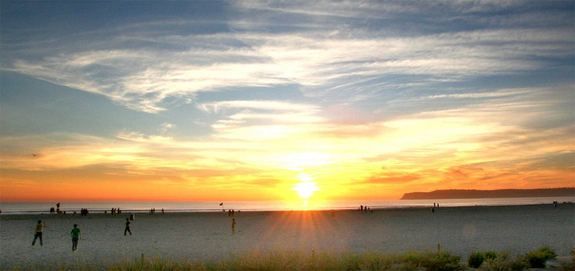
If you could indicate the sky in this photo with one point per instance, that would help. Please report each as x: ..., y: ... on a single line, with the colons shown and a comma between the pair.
x: 281, y: 100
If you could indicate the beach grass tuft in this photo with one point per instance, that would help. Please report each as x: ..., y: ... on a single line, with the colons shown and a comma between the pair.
x: 477, y: 258
x: 537, y: 258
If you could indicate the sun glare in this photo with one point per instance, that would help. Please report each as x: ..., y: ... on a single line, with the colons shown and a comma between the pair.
x: 306, y: 187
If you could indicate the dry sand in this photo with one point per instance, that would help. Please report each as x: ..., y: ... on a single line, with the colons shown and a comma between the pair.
x: 206, y: 236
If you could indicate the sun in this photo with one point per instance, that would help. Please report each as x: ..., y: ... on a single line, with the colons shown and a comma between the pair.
x: 306, y: 187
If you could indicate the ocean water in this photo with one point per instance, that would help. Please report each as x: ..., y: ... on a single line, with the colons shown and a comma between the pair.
x: 214, y: 206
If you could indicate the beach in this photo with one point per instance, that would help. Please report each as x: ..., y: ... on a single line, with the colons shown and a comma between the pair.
x: 208, y: 236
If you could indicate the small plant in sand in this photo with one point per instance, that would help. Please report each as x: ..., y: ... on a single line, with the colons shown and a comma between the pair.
x: 433, y: 261
x: 477, y: 258
x: 538, y: 257
x: 503, y: 262
x: 569, y: 266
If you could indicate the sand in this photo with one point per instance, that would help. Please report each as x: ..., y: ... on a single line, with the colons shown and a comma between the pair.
x: 207, y: 236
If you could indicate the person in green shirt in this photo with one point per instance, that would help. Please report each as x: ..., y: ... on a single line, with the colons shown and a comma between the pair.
x: 75, y: 236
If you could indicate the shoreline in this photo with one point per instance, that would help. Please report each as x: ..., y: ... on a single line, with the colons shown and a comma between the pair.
x: 96, y: 211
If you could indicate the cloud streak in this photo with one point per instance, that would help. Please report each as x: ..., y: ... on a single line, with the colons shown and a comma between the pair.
x: 318, y: 62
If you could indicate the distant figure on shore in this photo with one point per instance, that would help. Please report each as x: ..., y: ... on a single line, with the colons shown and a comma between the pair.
x: 127, y: 228
x: 132, y: 217
x: 58, y: 208
x: 84, y: 211
x: 361, y: 208
x: 555, y: 203
x: 233, y: 226
x: 162, y: 210
x: 38, y: 232
x: 52, y: 210
x: 75, y: 237
x: 231, y: 212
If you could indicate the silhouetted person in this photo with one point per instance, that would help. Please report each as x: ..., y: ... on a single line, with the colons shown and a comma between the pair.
x: 361, y: 208
x: 233, y: 225
x: 127, y: 228
x: 75, y: 237
x: 38, y: 232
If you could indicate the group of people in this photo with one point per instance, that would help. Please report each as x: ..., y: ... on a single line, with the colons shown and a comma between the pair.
x: 153, y: 211
x: 435, y: 205
x: 231, y: 212
x: 56, y: 210
x: 84, y: 212
x: 75, y: 233
x: 365, y: 209
x: 116, y: 211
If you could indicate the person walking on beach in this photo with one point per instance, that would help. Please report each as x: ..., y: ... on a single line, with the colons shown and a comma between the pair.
x: 75, y: 237
x: 233, y: 226
x: 38, y: 232
x: 127, y: 228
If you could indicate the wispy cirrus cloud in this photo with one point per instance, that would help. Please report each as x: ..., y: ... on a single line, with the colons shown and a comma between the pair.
x: 342, y: 61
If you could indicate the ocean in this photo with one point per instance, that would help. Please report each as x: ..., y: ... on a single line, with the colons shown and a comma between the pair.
x: 214, y: 206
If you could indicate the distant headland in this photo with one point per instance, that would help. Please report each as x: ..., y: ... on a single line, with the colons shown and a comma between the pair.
x: 500, y: 193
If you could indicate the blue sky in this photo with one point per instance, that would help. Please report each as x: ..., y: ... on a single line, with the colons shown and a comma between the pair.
x: 165, y: 86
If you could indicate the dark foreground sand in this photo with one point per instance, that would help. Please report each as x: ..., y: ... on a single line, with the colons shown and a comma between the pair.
x: 205, y: 236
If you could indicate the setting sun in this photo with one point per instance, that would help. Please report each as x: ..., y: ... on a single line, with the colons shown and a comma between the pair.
x: 306, y: 187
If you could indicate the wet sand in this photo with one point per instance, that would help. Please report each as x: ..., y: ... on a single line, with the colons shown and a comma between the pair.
x: 208, y: 236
